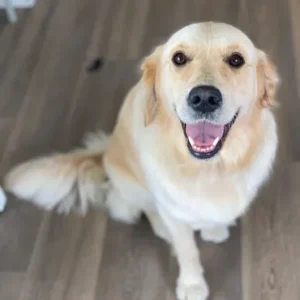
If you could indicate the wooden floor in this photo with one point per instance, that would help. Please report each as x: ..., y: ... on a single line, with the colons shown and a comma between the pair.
x: 48, y: 101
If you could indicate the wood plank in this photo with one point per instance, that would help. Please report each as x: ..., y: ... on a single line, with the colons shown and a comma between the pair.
x: 97, y: 101
x: 133, y: 264
x: 21, y: 46
x: 19, y: 225
x: 11, y: 284
x: 265, y: 232
x: 222, y: 267
x: 271, y: 240
x: 66, y: 258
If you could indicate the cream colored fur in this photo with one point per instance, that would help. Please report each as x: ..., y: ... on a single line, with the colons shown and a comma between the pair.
x: 146, y: 159
x: 63, y: 182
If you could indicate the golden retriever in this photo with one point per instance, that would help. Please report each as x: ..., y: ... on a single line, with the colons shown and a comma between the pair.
x: 194, y: 141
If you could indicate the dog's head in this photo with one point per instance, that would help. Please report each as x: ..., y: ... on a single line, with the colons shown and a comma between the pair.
x: 208, y: 75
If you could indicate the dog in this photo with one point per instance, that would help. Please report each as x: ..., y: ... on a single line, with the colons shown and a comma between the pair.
x: 194, y: 141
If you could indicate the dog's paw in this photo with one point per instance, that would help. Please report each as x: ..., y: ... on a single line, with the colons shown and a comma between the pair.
x: 216, y: 235
x: 199, y: 291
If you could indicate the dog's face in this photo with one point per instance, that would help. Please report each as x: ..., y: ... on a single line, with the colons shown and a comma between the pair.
x: 209, y: 75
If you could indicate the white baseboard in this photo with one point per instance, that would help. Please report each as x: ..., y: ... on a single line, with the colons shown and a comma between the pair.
x: 19, y: 3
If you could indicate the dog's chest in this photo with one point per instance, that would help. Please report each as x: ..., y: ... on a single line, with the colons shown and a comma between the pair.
x: 200, y: 200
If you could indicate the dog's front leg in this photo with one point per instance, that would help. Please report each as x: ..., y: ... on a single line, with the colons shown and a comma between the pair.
x: 191, y: 284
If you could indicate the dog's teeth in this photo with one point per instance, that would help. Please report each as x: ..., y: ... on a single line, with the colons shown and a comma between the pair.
x: 203, y: 149
x: 191, y: 141
x: 215, y: 142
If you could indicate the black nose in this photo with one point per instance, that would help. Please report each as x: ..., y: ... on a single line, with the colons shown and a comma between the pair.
x: 205, y: 99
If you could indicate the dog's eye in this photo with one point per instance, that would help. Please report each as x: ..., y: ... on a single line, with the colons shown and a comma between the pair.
x: 235, y: 60
x: 179, y: 59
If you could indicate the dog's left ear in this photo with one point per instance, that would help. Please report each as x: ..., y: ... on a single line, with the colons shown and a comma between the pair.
x: 268, y: 80
x: 149, y: 68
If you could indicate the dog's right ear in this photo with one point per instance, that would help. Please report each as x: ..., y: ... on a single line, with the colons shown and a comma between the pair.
x: 149, y: 68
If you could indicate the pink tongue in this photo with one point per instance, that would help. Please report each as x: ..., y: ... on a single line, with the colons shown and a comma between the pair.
x: 204, y: 133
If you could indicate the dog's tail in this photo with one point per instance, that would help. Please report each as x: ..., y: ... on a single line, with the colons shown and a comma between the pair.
x: 63, y: 182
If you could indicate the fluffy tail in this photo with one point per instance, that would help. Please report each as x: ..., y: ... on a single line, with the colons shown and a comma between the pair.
x: 63, y: 182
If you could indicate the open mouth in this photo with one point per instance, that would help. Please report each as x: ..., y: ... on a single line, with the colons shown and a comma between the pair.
x: 205, y: 139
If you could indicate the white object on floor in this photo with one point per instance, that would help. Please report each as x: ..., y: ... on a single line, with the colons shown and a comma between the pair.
x: 11, y: 5
x: 3, y: 199
x: 10, y: 11
x: 18, y: 3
